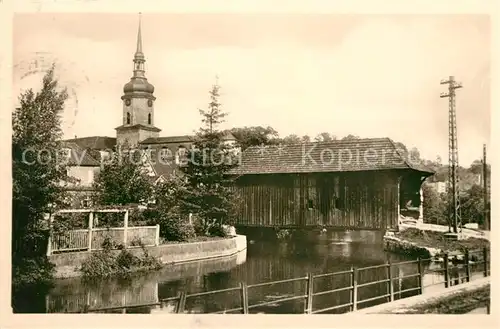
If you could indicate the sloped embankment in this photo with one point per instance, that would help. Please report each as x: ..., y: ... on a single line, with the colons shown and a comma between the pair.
x: 431, y: 244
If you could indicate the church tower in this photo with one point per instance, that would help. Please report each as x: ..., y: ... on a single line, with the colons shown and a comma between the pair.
x: 138, y: 103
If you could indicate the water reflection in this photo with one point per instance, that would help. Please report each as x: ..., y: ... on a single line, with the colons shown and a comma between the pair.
x: 265, y: 260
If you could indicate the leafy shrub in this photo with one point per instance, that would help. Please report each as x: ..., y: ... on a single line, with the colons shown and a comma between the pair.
x: 125, y: 260
x: 32, y: 271
x: 136, y: 242
x: 105, y: 263
x: 218, y: 230
x: 100, y: 264
x: 174, y: 226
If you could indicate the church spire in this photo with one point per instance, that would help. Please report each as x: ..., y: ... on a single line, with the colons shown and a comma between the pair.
x: 139, y: 56
x: 138, y: 82
x: 138, y: 52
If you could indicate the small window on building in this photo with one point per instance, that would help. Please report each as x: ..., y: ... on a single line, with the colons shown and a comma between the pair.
x: 164, y: 153
x: 128, y: 118
x: 149, y: 118
x: 310, y: 204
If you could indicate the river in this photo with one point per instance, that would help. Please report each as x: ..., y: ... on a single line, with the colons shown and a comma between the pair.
x: 266, y: 259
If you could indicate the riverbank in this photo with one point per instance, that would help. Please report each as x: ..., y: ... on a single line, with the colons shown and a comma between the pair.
x: 458, y: 299
x: 430, y: 244
x: 68, y: 264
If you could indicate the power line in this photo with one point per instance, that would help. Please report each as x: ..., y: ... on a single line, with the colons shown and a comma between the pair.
x: 454, y: 213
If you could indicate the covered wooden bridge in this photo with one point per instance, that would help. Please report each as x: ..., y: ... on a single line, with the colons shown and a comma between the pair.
x: 351, y: 184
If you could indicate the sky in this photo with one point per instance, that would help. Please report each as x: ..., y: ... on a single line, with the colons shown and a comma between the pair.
x: 366, y: 75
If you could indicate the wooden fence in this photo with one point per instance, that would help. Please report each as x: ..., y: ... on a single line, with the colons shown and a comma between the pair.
x: 472, y: 260
x: 92, y: 239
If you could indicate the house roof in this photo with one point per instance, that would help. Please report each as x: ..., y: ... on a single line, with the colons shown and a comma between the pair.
x: 94, y: 142
x: 180, y: 139
x: 168, y: 139
x: 80, y: 156
x: 128, y: 127
x: 334, y: 156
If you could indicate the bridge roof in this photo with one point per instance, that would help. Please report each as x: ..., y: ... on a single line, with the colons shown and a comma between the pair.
x: 335, y: 156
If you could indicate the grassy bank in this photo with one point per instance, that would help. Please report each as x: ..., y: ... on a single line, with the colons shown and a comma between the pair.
x: 459, y: 303
x: 437, y: 240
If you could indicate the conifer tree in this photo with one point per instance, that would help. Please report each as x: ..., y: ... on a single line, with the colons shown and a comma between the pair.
x: 209, y: 195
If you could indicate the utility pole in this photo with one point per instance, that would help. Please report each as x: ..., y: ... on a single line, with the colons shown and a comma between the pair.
x: 454, y: 214
x: 485, y: 192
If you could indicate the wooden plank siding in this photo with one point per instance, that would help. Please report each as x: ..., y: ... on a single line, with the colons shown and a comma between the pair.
x: 362, y: 200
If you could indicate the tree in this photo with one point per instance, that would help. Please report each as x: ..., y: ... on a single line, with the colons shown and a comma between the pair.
x: 472, y: 204
x: 292, y: 139
x: 305, y: 139
x: 477, y: 168
x: 435, y: 206
x: 37, y: 172
x: 169, y: 196
x: 414, y: 155
x: 325, y: 137
x: 122, y: 180
x: 350, y: 137
x: 254, y: 136
x: 209, y: 194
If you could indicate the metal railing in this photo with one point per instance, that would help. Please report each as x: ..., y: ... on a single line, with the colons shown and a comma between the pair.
x: 451, y: 274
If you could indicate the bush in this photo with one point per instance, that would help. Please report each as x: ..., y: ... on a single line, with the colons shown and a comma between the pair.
x: 125, y: 260
x: 173, y: 225
x: 32, y: 271
x: 218, y: 230
x: 105, y: 263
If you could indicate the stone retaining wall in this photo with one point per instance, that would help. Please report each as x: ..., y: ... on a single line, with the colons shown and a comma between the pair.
x: 67, y: 263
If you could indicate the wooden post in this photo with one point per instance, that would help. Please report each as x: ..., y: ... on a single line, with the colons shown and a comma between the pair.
x: 310, y: 292
x: 157, y: 237
x: 125, y: 226
x: 354, y: 290
x: 446, y: 271
x: 91, y: 225
x: 485, y: 259
x: 244, y: 297
x: 399, y: 202
x: 47, y: 303
x: 124, y: 303
x: 182, y: 302
x: 49, y: 244
x: 390, y: 283
x: 467, y: 266
x: 351, y: 283
x: 421, y: 276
